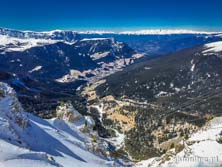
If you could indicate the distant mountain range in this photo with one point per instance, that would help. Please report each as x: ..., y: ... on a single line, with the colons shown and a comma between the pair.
x: 151, y: 42
x: 69, y: 36
x: 62, y: 33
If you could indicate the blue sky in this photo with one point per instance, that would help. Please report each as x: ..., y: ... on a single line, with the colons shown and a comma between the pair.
x: 114, y: 15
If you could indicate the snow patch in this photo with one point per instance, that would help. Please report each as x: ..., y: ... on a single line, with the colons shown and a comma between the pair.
x: 213, y: 47
x: 93, y: 39
x: 192, y: 68
x: 97, y: 56
x: 15, y: 44
x: 37, y: 68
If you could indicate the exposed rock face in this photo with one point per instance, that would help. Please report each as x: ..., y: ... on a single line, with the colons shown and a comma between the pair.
x: 14, y: 110
x: 12, y: 121
x: 67, y: 112
x: 89, y: 121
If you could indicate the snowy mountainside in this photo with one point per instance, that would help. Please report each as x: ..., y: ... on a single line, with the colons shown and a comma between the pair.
x: 214, y: 47
x: 8, y: 44
x: 26, y: 140
x: 68, y: 36
x: 13, y: 121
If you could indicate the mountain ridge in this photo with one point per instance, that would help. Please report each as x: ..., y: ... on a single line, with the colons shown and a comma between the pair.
x: 135, y: 32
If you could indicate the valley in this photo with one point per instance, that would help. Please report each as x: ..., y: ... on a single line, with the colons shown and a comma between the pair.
x: 157, y: 106
x: 114, y: 99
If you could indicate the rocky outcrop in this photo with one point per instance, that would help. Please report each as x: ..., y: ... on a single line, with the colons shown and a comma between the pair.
x: 12, y: 119
x: 67, y: 112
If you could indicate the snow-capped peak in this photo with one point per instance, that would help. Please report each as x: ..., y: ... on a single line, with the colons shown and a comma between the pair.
x: 71, y: 36
x: 165, y: 32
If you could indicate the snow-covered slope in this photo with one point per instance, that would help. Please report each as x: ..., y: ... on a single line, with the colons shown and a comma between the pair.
x: 68, y: 36
x: 26, y: 140
x: 213, y: 47
x: 203, y: 148
x: 12, y: 121
x: 8, y: 44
